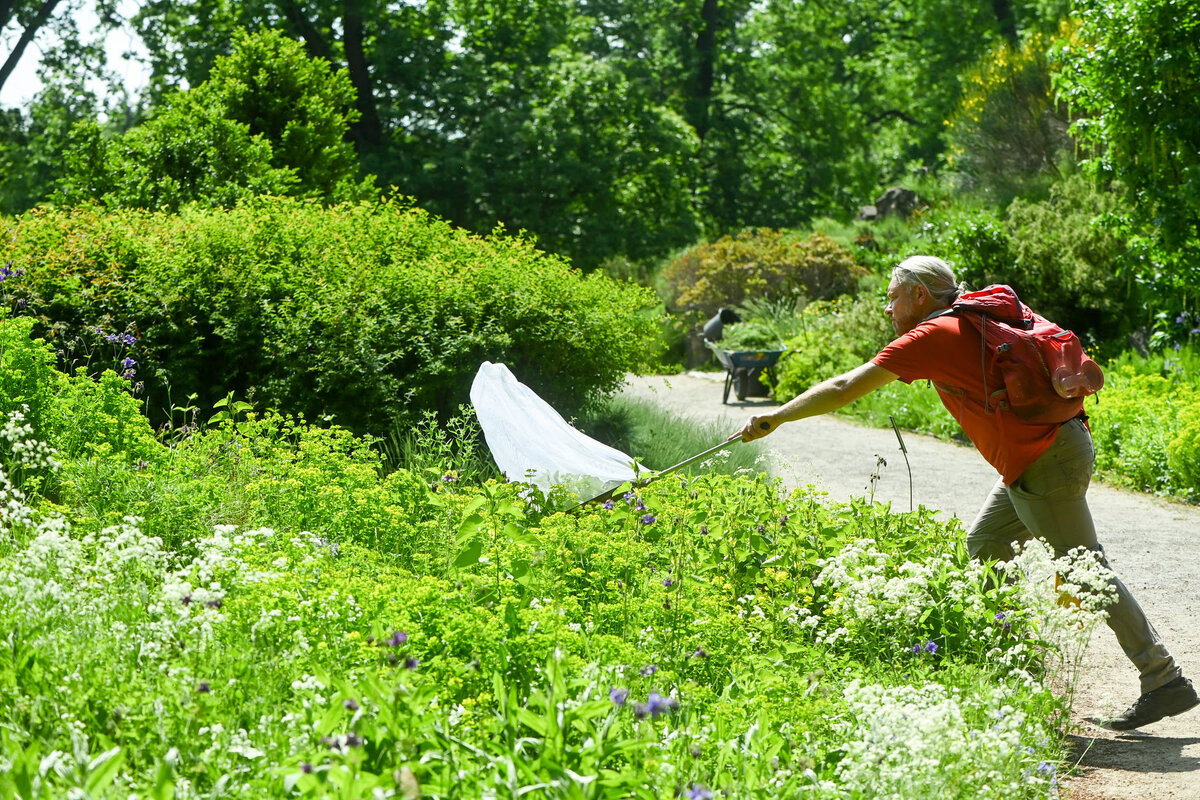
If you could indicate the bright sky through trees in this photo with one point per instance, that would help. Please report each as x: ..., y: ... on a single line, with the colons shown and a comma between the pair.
x: 25, y: 81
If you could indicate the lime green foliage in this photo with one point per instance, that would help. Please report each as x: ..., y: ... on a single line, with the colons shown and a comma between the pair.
x: 79, y: 418
x: 763, y: 263
x: 268, y: 120
x: 1145, y: 425
x: 371, y: 313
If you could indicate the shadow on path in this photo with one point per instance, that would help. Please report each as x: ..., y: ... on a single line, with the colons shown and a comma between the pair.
x: 1134, y: 752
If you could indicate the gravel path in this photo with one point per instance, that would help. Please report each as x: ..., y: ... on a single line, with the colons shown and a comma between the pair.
x: 1151, y: 544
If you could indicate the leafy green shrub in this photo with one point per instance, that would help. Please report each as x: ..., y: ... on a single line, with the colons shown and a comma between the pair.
x: 1068, y: 263
x: 1145, y: 423
x: 1183, y: 452
x: 836, y: 337
x: 79, y: 417
x: 975, y: 242
x: 762, y: 263
x: 370, y: 314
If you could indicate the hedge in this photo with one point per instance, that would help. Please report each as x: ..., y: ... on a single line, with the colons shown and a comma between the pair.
x: 368, y: 314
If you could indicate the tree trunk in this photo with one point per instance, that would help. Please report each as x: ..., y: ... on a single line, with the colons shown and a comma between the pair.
x: 706, y: 58
x: 367, y: 131
x: 1006, y: 18
x: 300, y: 25
x: 39, y: 19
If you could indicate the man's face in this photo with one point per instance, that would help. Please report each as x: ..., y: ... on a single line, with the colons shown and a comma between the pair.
x: 906, y: 305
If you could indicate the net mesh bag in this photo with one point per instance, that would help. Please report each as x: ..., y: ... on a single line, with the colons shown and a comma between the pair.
x: 531, y: 442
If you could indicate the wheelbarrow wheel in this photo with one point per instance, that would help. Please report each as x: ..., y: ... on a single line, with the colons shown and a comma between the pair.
x: 741, y: 380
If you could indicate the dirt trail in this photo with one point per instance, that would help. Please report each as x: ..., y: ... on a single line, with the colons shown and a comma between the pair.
x: 1150, y: 543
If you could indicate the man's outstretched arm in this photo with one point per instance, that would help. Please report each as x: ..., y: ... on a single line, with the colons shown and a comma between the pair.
x: 828, y: 395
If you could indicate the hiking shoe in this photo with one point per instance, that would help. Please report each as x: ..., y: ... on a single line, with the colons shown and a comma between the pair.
x: 1174, y: 698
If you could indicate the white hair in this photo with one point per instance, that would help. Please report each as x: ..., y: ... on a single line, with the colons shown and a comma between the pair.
x: 932, y: 273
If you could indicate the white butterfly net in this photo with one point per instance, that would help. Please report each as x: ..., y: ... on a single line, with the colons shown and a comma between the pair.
x: 531, y: 442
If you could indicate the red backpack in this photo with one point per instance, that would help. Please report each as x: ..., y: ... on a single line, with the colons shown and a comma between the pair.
x: 1046, y: 373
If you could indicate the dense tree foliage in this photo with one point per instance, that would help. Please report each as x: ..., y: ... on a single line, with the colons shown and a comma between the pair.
x: 614, y: 129
x: 1133, y: 72
x: 268, y: 120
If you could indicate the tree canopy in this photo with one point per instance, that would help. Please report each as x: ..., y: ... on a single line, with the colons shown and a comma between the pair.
x: 609, y: 129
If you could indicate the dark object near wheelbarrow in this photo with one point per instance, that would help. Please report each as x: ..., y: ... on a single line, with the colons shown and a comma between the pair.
x: 744, y: 368
x: 714, y: 329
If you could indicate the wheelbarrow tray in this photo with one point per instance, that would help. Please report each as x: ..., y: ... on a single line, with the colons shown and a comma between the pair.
x: 742, y: 366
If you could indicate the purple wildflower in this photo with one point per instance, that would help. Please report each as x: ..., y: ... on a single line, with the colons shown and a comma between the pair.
x: 668, y: 583
x: 655, y: 706
x: 353, y: 740
x: 649, y: 519
x: 700, y: 653
x: 411, y: 663
x: 608, y: 505
x: 306, y: 768
x: 640, y: 506
x: 203, y: 688
x: 398, y: 638
x: 350, y: 704
x: 618, y: 696
x: 698, y: 792
x: 649, y: 670
x: 704, y: 530
x: 931, y: 647
x: 216, y: 603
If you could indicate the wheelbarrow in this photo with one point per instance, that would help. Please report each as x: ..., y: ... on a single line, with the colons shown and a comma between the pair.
x: 743, y: 368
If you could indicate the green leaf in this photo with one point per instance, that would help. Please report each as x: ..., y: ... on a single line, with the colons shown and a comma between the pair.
x: 469, y: 528
x: 102, y: 769
x: 469, y: 555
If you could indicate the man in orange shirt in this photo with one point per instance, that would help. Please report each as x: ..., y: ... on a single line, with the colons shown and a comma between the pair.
x: 1044, y: 469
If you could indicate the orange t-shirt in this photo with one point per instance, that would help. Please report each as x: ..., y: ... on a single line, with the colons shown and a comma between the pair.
x: 947, y: 351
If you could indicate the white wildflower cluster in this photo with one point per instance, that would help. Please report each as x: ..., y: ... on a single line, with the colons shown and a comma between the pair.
x: 865, y: 588
x: 799, y: 615
x: 27, y: 451
x: 1067, y: 596
x: 933, y: 741
x: 19, y: 450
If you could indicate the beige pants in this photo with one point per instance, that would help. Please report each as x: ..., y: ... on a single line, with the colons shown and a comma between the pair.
x: 1049, y: 501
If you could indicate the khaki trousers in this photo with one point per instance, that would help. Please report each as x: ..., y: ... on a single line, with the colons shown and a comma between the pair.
x: 1049, y: 502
